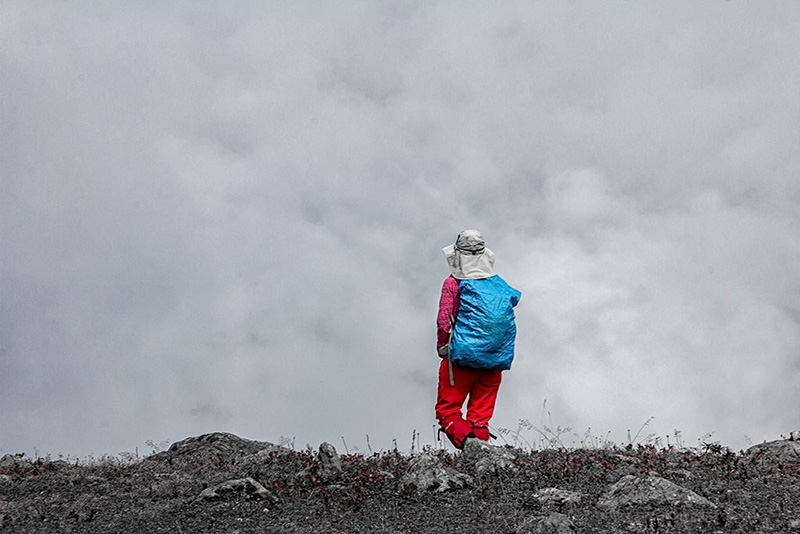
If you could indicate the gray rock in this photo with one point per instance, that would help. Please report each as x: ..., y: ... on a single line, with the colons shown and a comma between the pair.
x: 786, y: 450
x: 330, y: 463
x: 557, y: 496
x: 650, y: 489
x: 84, y: 509
x: 554, y: 523
x: 218, y: 449
x: 328, y: 469
x: 14, y: 462
x: 626, y: 465
x: 488, y: 458
x: 59, y: 464
x: 245, y: 487
x: 270, y: 450
x: 426, y: 473
x: 681, y: 475
x: 253, y: 464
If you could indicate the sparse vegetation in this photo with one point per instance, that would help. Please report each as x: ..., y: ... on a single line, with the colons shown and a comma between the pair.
x: 289, y: 491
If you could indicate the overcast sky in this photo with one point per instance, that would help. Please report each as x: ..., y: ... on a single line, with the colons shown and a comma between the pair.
x: 228, y: 216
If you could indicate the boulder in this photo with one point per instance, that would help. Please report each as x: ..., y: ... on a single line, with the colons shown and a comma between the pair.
x: 426, y: 473
x: 488, y: 458
x: 649, y: 489
x: 218, y: 449
x: 784, y: 450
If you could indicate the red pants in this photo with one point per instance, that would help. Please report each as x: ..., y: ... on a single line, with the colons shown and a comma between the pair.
x: 481, y: 386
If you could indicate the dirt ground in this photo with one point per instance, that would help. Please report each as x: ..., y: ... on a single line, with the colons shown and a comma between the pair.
x: 224, y: 484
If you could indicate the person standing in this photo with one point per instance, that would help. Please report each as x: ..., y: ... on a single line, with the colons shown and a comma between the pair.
x: 475, y: 338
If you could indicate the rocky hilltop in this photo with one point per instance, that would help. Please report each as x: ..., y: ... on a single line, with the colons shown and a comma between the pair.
x: 222, y: 483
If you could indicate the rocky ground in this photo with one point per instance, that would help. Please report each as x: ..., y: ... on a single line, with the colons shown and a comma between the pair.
x: 224, y: 484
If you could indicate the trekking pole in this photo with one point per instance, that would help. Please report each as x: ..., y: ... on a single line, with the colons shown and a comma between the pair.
x: 450, y: 369
x: 449, y: 343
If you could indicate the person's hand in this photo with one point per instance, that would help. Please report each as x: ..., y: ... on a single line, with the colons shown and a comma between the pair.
x: 444, y: 351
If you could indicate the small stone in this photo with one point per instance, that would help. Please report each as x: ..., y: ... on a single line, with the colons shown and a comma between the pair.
x: 247, y: 487
x: 554, y: 523
x: 557, y: 496
x: 330, y: 463
x: 12, y: 462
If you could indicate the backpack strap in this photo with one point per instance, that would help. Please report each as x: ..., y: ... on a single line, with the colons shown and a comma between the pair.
x: 449, y: 341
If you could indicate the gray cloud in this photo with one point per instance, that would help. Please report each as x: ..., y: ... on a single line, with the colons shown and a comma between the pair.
x: 231, y: 219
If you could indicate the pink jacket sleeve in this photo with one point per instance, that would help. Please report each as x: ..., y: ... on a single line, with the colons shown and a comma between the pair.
x: 448, y: 309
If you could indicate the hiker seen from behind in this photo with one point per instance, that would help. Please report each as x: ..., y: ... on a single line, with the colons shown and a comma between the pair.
x: 475, y: 338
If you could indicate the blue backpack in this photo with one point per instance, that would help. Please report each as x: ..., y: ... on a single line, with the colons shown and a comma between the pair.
x: 484, y: 330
